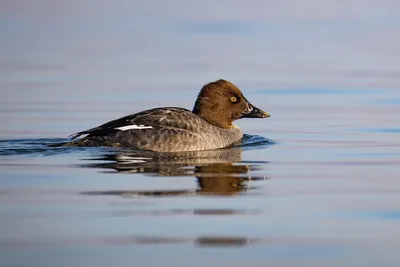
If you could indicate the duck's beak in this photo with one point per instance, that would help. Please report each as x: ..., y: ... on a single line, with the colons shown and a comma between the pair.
x: 253, y: 112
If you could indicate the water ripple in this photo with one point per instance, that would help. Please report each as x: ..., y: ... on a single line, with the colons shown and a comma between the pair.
x: 41, y: 146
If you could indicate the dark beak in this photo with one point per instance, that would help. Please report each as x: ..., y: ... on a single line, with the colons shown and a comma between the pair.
x: 253, y: 112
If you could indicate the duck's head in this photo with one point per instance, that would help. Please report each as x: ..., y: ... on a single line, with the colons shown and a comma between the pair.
x: 221, y: 102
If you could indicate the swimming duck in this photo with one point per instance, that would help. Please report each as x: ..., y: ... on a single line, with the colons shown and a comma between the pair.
x: 171, y: 129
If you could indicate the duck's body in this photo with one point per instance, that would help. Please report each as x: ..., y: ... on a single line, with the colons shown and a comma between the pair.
x: 161, y: 129
x: 208, y: 126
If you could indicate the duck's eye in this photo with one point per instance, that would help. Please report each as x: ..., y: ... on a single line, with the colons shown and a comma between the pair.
x: 233, y: 99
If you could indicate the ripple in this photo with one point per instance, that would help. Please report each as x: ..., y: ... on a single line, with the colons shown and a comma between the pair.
x: 220, y: 172
x: 178, y: 212
x: 302, y: 244
x: 34, y: 147
x: 41, y: 146
x: 255, y: 142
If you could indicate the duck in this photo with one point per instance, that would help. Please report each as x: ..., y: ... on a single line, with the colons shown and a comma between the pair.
x: 173, y: 129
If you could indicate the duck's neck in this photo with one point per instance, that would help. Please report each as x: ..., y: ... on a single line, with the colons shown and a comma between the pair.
x: 215, y: 119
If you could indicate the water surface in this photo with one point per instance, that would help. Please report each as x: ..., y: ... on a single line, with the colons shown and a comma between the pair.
x: 317, y: 184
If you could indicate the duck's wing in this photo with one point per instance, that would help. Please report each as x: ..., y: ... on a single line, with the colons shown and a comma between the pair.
x: 169, y: 117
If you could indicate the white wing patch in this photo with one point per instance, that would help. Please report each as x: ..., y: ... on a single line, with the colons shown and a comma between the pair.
x: 133, y: 127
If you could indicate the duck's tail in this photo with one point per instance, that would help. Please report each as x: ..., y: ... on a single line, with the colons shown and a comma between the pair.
x: 75, y: 143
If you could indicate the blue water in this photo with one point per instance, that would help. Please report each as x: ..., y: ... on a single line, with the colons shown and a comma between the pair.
x: 316, y: 184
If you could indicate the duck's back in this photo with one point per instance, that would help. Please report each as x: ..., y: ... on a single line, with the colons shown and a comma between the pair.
x: 161, y: 129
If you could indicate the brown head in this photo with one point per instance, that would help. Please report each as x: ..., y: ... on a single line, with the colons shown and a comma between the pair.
x: 221, y: 102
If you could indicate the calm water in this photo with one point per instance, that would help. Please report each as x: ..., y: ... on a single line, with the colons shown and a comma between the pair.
x: 317, y: 184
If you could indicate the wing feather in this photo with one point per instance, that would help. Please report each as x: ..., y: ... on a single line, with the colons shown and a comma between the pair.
x: 170, y: 117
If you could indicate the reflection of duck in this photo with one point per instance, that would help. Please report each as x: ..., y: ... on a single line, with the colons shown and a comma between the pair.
x: 203, y: 241
x: 218, y: 172
x: 222, y: 178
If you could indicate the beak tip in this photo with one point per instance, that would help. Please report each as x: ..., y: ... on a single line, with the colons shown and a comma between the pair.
x: 253, y: 112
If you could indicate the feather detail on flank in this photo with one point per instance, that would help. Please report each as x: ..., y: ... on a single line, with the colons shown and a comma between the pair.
x: 133, y: 127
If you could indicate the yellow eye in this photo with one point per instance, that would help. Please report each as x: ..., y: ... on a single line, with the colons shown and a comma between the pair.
x: 233, y: 99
